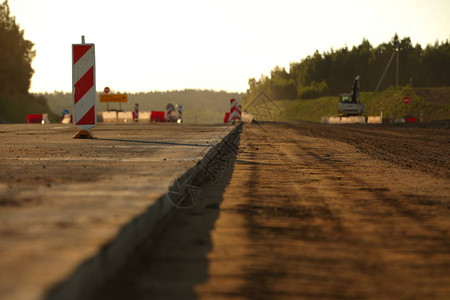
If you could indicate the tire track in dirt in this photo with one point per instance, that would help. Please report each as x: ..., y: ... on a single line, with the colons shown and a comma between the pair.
x: 304, y: 213
x: 400, y: 201
x: 367, y: 203
x: 422, y: 149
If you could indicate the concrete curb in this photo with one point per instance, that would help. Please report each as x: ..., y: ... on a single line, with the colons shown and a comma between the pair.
x: 111, y: 257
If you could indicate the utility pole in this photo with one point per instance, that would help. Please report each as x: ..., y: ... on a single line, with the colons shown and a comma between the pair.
x: 396, y: 51
x: 396, y: 72
x: 384, y: 73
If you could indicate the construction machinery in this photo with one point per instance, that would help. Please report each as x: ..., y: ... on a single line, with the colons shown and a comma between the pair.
x: 351, y: 110
x: 349, y: 104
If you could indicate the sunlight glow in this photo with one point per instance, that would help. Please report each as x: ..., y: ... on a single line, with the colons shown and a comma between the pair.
x: 177, y: 44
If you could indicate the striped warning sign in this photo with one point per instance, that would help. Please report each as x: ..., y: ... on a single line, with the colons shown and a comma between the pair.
x: 136, y: 112
x: 180, y: 109
x: 83, y: 86
x: 235, y: 111
x: 171, y: 113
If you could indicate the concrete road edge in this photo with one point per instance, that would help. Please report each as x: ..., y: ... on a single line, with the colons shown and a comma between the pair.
x: 111, y: 257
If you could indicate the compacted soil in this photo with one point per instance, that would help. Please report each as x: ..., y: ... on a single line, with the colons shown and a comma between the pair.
x: 309, y: 211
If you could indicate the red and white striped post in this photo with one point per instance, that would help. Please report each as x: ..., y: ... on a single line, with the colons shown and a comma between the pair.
x: 83, y: 88
x: 170, y: 108
x: 232, y: 110
x: 235, y: 111
x: 136, y: 112
x: 180, y: 109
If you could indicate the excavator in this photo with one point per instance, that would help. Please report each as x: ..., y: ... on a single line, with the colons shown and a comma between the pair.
x: 349, y: 104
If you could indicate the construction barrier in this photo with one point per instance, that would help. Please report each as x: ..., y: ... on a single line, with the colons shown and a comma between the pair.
x: 411, y: 120
x: 344, y: 120
x: 157, y: 116
x: 136, y: 112
x: 171, y: 113
x: 125, y: 116
x: 334, y: 120
x: 144, y: 116
x: 34, y: 118
x: 357, y: 120
x: 63, y: 113
x: 45, y: 119
x: 67, y: 119
x: 374, y: 120
x: 83, y: 85
x: 180, y: 109
x: 226, y: 118
x: 109, y: 116
x: 235, y: 111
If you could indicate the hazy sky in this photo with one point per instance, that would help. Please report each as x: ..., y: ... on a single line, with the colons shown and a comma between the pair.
x: 147, y: 45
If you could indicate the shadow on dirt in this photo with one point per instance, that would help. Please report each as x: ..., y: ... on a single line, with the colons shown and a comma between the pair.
x: 174, y: 259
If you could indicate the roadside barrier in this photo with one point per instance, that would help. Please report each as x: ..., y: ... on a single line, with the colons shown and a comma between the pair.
x: 157, y: 116
x: 144, y: 116
x: 334, y: 120
x: 226, y: 118
x: 411, y: 120
x: 45, y: 119
x: 37, y: 118
x: 344, y: 120
x: 109, y: 116
x: 67, y: 119
x: 125, y: 116
x: 374, y: 120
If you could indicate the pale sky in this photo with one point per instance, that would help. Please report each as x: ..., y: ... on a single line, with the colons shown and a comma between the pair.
x: 149, y: 45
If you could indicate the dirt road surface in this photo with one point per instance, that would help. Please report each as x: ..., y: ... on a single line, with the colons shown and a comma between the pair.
x: 309, y: 211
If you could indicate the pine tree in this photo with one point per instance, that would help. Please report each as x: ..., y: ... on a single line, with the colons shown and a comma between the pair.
x: 16, y: 55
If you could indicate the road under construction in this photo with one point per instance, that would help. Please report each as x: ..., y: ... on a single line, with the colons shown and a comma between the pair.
x: 287, y: 210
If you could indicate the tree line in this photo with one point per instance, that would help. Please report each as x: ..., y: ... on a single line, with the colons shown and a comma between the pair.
x: 332, y: 72
x: 16, y: 55
x: 321, y: 74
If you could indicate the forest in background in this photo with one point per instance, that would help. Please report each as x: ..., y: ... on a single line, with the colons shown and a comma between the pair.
x: 331, y: 73
x: 432, y: 103
x: 16, y: 56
